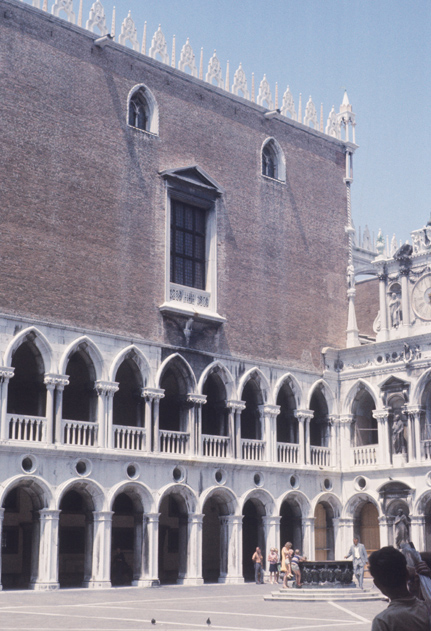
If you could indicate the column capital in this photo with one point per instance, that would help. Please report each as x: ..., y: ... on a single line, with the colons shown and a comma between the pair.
x: 307, y: 521
x: 271, y: 410
x: 196, y: 399
x: 49, y: 513
x: 235, y: 405
x: 152, y: 393
x: 106, y: 388
x: 195, y: 518
x: 103, y: 515
x: 414, y: 409
x: 303, y: 415
x: 345, y: 418
x: 6, y: 373
x: 271, y: 520
x: 55, y: 380
x: 381, y: 415
x: 152, y: 518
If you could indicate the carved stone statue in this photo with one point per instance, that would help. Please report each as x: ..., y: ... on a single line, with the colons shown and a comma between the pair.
x: 395, y: 310
x: 399, y: 442
x: 402, y: 528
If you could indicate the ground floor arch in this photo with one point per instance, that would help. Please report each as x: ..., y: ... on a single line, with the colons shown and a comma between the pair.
x: 324, y: 541
x: 366, y: 525
x: 20, y: 538
x: 173, y: 538
x: 291, y: 524
x: 253, y: 535
x: 75, y: 552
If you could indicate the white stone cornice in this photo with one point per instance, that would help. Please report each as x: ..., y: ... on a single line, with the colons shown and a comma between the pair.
x: 152, y: 393
x: 236, y: 405
x: 196, y: 399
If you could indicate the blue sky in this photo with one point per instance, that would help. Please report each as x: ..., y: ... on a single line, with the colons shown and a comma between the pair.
x: 378, y: 50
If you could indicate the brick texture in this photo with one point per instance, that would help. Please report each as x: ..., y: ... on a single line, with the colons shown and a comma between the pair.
x: 84, y: 209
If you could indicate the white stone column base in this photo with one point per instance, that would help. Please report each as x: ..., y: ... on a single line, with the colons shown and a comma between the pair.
x: 231, y: 580
x: 190, y: 581
x: 97, y: 584
x: 146, y: 582
x: 44, y: 586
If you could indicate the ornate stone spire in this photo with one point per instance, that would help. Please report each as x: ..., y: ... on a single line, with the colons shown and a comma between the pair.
x: 144, y: 40
x: 346, y: 117
x: 113, y: 23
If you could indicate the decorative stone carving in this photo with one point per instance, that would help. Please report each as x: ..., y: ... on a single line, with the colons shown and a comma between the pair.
x: 395, y: 310
x: 59, y: 381
x: 402, y: 528
x: 66, y: 6
x: 240, y: 83
x: 97, y: 18
x: 187, y: 59
x: 196, y: 399
x: 332, y: 125
x: 310, y: 116
x: 399, y: 441
x: 129, y: 33
x: 152, y: 393
x: 321, y: 572
x: 106, y: 388
x: 235, y: 405
x: 288, y: 105
x: 6, y: 372
x: 214, y: 71
x: 264, y: 94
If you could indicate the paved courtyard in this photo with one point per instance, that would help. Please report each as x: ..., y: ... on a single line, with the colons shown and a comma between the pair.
x: 177, y: 608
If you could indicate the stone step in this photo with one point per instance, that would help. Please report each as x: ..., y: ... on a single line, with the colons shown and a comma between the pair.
x: 325, y: 594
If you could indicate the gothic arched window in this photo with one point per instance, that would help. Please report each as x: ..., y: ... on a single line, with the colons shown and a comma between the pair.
x: 273, y: 161
x: 142, y: 110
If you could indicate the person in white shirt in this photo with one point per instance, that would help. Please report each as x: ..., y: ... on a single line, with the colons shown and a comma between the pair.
x: 359, y: 554
x: 388, y: 567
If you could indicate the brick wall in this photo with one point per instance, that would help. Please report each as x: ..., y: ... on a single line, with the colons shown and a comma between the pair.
x: 83, y: 204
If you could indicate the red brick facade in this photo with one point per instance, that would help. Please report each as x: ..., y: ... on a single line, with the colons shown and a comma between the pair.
x: 84, y: 207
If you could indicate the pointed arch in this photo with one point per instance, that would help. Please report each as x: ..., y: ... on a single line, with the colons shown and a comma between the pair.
x: 87, y: 346
x: 349, y: 399
x: 182, y: 370
x: 327, y: 392
x: 420, y: 387
x: 133, y: 353
x: 256, y: 375
x: 223, y: 373
x: 293, y: 384
x: 36, y: 337
x: 273, y: 160
x: 142, y: 109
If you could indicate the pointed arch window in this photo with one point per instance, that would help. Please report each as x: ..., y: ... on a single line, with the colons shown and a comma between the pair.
x: 142, y: 110
x: 273, y: 161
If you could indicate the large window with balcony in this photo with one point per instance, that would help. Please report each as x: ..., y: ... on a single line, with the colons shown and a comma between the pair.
x: 191, y: 243
x: 188, y: 234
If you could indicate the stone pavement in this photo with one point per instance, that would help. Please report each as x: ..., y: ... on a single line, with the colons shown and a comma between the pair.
x: 176, y: 608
